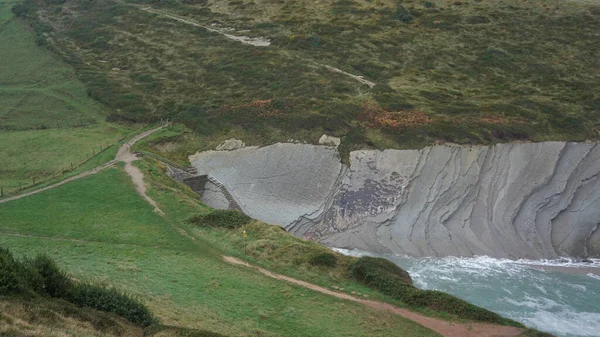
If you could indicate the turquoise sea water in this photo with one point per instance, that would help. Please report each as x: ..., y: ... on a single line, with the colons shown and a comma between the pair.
x: 564, y: 304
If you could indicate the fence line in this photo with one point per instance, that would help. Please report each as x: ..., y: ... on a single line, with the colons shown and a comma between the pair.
x: 64, y: 170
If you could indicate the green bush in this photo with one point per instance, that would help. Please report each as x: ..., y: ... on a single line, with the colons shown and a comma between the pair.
x: 43, y: 277
x: 375, y: 270
x: 11, y: 280
x: 112, y: 300
x: 325, y: 259
x: 222, y: 218
x: 395, y: 282
x: 55, y: 281
x: 403, y: 15
x: 20, y: 10
x: 441, y: 301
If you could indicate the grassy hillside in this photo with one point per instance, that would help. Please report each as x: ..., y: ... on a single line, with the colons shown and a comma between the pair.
x: 475, y: 71
x: 56, y: 318
x: 101, y: 230
x: 47, y: 119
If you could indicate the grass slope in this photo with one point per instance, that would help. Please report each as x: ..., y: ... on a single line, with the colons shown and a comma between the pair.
x: 475, y: 71
x: 57, y: 318
x: 47, y: 119
x: 109, y: 234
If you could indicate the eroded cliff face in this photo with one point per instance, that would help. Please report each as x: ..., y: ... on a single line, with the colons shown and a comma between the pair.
x: 522, y: 200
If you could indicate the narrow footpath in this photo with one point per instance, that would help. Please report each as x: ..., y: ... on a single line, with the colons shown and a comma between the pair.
x: 125, y: 155
x: 444, y: 328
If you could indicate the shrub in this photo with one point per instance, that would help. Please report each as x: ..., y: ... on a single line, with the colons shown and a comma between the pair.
x: 20, y: 10
x: 55, y: 281
x: 499, y: 58
x: 376, y: 270
x: 11, y: 281
x: 395, y: 282
x: 43, y: 277
x: 222, y: 218
x: 112, y: 300
x: 101, y: 43
x: 428, y: 4
x: 325, y: 259
x: 403, y: 15
x: 441, y: 301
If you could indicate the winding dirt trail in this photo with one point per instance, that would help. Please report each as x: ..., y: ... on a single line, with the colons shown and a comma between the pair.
x: 125, y: 155
x: 444, y: 328
x: 258, y: 42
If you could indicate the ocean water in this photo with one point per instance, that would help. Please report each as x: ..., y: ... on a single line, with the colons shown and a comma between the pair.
x: 566, y: 304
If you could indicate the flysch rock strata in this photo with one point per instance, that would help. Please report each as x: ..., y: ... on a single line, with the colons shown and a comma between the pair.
x: 518, y: 200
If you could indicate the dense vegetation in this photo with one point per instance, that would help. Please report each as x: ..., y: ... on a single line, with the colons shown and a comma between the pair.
x: 222, y: 219
x: 391, y: 280
x: 30, y: 288
x: 474, y: 71
x: 42, y: 277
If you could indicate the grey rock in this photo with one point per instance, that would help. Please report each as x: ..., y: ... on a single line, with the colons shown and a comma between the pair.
x: 277, y: 184
x: 329, y: 140
x: 521, y: 200
x: 231, y: 144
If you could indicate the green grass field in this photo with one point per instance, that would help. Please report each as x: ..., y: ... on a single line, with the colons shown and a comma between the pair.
x: 37, y: 89
x: 47, y: 119
x: 40, y: 154
x: 100, y: 229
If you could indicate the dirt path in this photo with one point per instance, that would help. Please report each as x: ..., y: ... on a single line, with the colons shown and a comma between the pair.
x: 259, y: 42
x: 255, y: 41
x: 444, y: 328
x: 124, y: 154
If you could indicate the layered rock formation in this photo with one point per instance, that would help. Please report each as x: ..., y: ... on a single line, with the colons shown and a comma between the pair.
x: 523, y: 200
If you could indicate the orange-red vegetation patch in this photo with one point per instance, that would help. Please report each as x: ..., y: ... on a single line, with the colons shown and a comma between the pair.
x: 494, y: 120
x: 377, y: 117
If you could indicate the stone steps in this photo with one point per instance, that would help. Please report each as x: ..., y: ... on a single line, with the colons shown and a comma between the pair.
x: 232, y: 201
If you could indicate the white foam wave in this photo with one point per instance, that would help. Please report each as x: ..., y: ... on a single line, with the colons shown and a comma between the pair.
x: 594, y: 276
x: 483, y: 262
x: 566, y: 323
x: 564, y: 304
x: 536, y: 303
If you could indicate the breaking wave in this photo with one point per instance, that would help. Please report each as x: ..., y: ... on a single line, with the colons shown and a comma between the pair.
x: 559, y: 296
